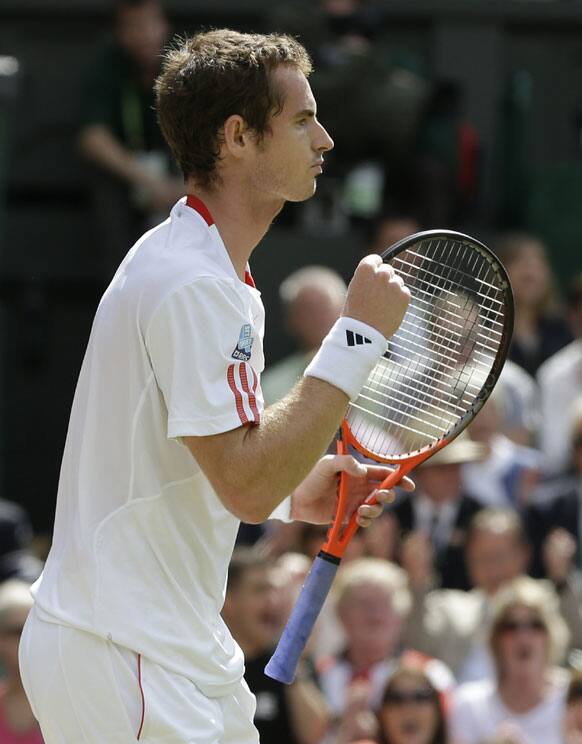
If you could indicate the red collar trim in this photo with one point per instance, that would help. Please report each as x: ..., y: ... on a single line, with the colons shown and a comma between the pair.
x: 198, y: 206
x: 249, y: 279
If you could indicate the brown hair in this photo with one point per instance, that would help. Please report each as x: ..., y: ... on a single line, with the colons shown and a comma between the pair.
x: 214, y: 75
x: 412, y: 669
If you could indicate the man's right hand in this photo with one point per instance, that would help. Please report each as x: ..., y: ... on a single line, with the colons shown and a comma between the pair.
x: 377, y: 296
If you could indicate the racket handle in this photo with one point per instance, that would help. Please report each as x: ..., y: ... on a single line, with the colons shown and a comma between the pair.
x: 283, y: 663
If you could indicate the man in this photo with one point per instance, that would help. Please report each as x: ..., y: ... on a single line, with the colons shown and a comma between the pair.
x: 131, y: 183
x: 286, y: 714
x: 560, y: 383
x: 556, y: 518
x: 168, y: 445
x: 372, y: 603
x: 312, y: 299
x: 441, y: 512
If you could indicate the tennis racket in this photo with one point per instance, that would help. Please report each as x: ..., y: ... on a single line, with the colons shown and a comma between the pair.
x: 437, y: 372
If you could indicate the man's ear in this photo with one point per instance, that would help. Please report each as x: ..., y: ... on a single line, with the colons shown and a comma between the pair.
x: 237, y: 135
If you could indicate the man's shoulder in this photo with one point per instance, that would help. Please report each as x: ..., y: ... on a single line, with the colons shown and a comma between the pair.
x: 171, y: 258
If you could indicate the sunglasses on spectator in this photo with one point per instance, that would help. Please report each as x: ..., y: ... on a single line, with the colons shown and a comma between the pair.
x: 400, y: 697
x: 514, y: 626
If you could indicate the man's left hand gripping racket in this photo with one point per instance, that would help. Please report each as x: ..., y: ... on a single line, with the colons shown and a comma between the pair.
x: 439, y: 369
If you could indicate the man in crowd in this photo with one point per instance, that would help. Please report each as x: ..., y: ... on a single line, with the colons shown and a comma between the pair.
x: 285, y: 714
x: 440, y: 512
x: 131, y: 182
x: 454, y: 624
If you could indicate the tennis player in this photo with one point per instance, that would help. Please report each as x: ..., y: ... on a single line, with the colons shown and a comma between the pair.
x: 168, y: 444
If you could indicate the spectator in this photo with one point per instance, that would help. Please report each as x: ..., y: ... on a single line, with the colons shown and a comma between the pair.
x: 560, y: 381
x: 564, y: 511
x: 440, y: 511
x: 312, y: 299
x: 448, y: 157
x: 412, y: 710
x: 573, y: 720
x: 528, y: 637
x: 518, y: 404
x: 539, y: 332
x: 131, y: 184
x: 372, y: 602
x: 345, y: 39
x: 454, y: 624
x: 293, y: 714
x: 16, y: 557
x: 509, y: 472
x: 389, y: 229
x: 17, y: 722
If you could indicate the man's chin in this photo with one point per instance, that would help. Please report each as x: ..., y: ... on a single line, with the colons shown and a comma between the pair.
x: 307, y: 194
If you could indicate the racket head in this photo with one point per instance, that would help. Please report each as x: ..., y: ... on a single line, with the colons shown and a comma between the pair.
x: 443, y: 362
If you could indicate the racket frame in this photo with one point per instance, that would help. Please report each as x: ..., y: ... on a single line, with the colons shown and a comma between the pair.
x: 341, y: 533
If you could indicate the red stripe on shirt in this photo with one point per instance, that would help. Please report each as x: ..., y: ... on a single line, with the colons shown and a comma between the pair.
x: 237, y: 395
x: 198, y: 206
x: 250, y: 393
x: 142, y: 696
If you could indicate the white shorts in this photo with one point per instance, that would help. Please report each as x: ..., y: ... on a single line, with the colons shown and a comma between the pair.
x: 86, y: 690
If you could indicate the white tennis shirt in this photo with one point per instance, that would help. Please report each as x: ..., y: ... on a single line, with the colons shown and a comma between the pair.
x: 141, y: 542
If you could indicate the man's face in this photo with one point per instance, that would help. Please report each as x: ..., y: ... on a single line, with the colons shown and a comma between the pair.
x: 494, y: 559
x: 142, y: 32
x: 312, y: 314
x: 440, y: 483
x: 290, y: 156
x: 370, y: 619
x: 252, y: 610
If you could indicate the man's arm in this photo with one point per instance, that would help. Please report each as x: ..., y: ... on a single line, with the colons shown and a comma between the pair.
x: 252, y: 469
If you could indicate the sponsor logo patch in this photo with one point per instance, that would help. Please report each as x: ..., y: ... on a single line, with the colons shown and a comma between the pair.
x: 243, y: 348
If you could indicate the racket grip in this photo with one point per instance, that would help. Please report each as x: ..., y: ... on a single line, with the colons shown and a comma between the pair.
x: 283, y: 663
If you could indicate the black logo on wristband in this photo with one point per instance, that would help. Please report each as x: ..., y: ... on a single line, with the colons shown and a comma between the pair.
x: 355, y: 339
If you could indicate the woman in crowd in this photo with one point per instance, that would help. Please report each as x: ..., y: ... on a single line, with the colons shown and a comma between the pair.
x: 412, y: 709
x: 539, y: 331
x: 528, y: 637
x: 372, y: 602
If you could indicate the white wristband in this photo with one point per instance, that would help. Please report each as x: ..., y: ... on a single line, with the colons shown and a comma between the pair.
x: 347, y: 355
x: 283, y: 511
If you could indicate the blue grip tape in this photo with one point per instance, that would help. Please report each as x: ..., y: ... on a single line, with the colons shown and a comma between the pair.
x: 283, y: 663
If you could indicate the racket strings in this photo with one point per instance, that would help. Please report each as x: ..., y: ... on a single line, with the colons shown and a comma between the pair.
x: 441, y: 356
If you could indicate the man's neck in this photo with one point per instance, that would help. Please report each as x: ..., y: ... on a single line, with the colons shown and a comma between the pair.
x: 241, y: 220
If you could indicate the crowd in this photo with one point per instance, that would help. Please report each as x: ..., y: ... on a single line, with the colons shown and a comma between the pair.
x: 457, y: 617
